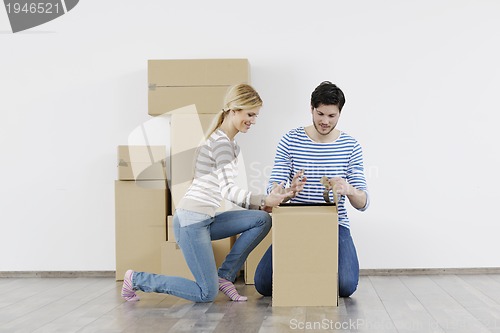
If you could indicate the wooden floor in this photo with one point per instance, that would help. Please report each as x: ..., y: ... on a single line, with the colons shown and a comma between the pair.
x: 425, y: 303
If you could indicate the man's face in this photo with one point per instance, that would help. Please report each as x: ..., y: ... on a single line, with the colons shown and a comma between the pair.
x: 325, y: 118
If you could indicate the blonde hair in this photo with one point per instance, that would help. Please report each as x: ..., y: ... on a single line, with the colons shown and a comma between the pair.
x: 238, y: 97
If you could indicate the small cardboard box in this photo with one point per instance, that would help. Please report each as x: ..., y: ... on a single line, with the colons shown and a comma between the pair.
x: 174, y: 264
x: 305, y: 255
x: 203, y: 82
x: 255, y: 256
x: 140, y: 228
x: 142, y: 162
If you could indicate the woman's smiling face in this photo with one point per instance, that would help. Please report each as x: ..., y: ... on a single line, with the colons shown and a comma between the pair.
x: 244, y: 119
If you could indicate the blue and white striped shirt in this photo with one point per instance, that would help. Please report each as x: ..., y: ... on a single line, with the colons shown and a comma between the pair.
x: 340, y: 158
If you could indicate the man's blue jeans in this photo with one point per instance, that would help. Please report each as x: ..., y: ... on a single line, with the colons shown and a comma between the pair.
x: 195, y: 241
x: 348, y: 267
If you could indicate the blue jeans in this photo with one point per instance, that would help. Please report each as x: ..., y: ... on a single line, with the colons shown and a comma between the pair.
x: 348, y: 267
x: 195, y: 242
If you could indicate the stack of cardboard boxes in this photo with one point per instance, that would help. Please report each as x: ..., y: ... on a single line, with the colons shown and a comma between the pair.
x: 191, y: 93
x: 141, y: 204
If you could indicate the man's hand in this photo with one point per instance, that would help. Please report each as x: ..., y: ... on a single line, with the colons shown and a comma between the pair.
x: 340, y: 186
x: 297, y: 184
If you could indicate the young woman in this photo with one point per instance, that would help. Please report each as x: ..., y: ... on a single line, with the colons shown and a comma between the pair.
x: 196, y: 223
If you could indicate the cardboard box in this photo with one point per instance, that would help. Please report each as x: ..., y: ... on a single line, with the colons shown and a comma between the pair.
x: 197, y: 72
x: 305, y: 255
x: 140, y: 228
x: 142, y: 162
x: 170, y: 229
x: 254, y: 257
x: 208, y: 100
x: 174, y: 264
x: 203, y: 82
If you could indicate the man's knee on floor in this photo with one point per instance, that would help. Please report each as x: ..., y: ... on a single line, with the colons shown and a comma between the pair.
x: 347, y: 288
x: 264, y: 289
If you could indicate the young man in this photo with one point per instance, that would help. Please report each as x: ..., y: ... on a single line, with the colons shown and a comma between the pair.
x: 321, y: 150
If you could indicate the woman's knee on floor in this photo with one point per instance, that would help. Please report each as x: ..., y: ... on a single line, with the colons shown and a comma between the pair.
x: 209, y: 293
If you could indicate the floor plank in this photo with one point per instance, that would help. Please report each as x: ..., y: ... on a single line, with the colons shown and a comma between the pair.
x: 404, y: 309
x: 365, y: 310
x: 423, y: 303
x: 449, y: 314
x: 478, y: 304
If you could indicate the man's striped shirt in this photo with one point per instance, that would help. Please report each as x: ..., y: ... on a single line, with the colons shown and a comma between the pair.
x: 340, y: 158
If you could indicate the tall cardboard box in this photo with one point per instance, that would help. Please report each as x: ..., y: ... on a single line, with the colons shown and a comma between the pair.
x: 142, y: 162
x: 140, y: 225
x: 255, y: 256
x: 305, y: 255
x: 203, y: 82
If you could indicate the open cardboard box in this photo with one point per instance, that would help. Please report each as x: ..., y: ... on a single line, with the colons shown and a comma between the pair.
x: 305, y: 255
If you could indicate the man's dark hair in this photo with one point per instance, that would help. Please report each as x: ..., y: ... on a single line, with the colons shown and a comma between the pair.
x: 327, y: 93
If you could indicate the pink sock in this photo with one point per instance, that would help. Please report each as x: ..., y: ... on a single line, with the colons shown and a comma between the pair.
x: 128, y: 292
x: 228, y: 288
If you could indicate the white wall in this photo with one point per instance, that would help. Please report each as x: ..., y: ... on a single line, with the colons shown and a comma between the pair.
x: 421, y: 81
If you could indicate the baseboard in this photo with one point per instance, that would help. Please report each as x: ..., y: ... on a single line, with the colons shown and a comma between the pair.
x: 58, y: 274
x: 362, y: 272
x: 429, y: 271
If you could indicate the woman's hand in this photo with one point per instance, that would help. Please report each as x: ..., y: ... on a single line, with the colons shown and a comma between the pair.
x: 277, y: 195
